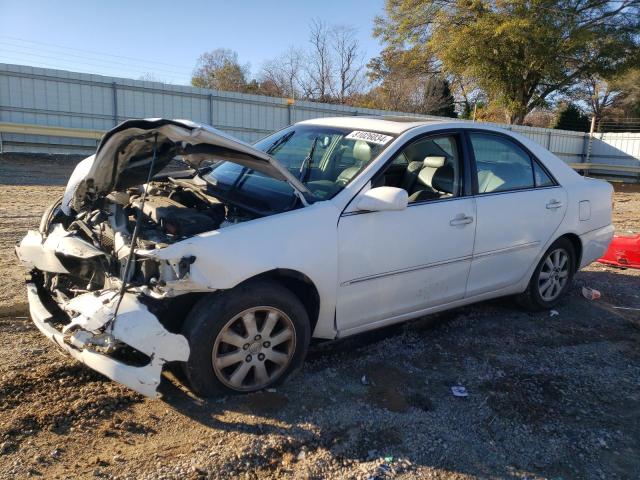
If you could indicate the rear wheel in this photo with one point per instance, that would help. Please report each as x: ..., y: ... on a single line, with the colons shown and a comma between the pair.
x: 246, y: 339
x: 552, y: 277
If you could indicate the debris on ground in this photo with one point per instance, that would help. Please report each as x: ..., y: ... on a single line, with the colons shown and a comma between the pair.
x: 591, y: 293
x: 553, y: 313
x: 459, y: 391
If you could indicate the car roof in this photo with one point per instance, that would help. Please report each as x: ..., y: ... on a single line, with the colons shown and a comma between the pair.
x: 384, y: 124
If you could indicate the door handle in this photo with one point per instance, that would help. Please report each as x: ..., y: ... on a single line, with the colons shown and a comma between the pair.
x: 460, y: 219
x: 553, y: 204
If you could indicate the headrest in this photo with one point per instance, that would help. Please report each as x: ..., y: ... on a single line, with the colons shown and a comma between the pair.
x: 443, y: 179
x: 362, y: 151
x: 434, y: 162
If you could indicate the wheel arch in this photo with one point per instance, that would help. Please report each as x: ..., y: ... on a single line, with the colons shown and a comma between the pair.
x: 299, y: 284
x: 577, y: 247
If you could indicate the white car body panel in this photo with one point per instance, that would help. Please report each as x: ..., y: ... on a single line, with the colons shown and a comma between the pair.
x: 400, y: 262
x: 510, y: 237
x: 370, y: 269
x: 227, y: 257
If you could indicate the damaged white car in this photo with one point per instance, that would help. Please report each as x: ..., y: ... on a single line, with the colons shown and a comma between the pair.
x: 177, y: 243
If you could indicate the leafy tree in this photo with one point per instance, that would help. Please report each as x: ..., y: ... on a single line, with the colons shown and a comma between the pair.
x: 405, y: 88
x: 570, y: 117
x: 520, y: 52
x: 219, y: 69
x: 447, y: 108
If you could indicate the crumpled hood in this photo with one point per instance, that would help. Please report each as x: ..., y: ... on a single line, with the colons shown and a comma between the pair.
x: 123, y: 157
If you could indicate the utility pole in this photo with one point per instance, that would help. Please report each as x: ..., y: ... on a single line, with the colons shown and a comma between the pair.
x: 590, y: 141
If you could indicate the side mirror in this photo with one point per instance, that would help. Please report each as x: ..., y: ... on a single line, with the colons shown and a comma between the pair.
x: 383, y: 199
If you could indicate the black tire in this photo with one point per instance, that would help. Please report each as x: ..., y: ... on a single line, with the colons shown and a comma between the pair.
x: 531, y: 298
x: 212, y: 313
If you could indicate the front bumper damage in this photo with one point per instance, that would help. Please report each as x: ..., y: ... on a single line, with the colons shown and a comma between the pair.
x: 84, y: 337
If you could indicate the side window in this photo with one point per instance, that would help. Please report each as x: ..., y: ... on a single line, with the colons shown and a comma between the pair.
x: 401, y: 159
x: 502, y: 165
x: 428, y: 169
x: 541, y: 177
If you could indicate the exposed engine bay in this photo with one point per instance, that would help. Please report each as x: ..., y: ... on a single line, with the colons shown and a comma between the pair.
x: 174, y: 209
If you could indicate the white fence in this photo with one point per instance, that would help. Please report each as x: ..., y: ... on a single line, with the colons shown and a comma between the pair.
x: 57, y: 98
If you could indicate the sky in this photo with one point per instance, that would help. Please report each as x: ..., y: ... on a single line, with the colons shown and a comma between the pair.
x: 164, y: 38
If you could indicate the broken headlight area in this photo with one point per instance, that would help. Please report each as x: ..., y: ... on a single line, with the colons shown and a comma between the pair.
x: 87, y: 251
x: 102, y: 273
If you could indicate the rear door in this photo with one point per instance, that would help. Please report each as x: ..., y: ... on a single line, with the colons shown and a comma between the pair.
x: 519, y: 207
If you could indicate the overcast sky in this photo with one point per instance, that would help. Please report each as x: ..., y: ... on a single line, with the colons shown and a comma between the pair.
x: 163, y: 37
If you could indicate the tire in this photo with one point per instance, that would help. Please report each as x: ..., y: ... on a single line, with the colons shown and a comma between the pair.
x: 230, y: 341
x: 542, y: 295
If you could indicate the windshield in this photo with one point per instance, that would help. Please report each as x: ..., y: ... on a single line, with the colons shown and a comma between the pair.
x: 324, y: 159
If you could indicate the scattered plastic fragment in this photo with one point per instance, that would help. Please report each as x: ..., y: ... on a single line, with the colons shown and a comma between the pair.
x: 553, y: 313
x: 459, y: 391
x: 388, y: 459
x: 591, y: 293
x: 364, y: 380
x: 271, y: 390
x: 628, y: 308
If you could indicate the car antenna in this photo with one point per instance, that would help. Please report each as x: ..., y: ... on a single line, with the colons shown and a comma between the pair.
x: 136, y: 228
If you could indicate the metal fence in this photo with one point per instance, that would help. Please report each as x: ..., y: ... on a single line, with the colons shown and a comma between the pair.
x: 84, y: 102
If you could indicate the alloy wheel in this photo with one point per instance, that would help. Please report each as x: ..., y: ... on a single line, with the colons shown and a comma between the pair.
x: 254, y: 348
x: 554, y: 274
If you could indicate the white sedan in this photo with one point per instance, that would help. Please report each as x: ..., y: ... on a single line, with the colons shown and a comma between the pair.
x: 178, y: 243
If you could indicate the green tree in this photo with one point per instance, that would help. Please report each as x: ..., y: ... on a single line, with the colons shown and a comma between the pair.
x: 405, y: 88
x: 570, y: 117
x: 219, y: 69
x: 519, y: 52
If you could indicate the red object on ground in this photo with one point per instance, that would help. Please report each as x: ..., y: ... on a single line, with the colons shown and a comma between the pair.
x: 624, y: 251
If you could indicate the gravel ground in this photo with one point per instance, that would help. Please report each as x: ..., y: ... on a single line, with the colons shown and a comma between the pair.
x: 549, y: 396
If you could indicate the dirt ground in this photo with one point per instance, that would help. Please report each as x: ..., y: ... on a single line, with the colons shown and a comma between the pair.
x: 550, y: 396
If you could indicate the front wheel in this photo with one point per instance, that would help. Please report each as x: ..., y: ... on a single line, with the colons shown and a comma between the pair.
x: 552, y: 277
x: 246, y: 339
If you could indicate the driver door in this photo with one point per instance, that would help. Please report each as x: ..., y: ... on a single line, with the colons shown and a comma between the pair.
x: 395, y: 263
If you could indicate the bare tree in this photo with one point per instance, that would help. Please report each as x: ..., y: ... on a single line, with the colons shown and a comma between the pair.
x: 349, y: 60
x: 284, y: 73
x: 319, y: 79
x: 598, y: 94
x: 151, y: 77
